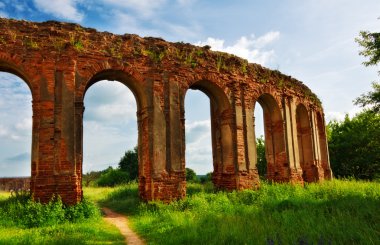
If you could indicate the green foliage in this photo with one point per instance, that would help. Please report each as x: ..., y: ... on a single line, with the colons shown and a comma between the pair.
x: 371, y: 99
x: 191, y: 176
x: 261, y: 158
x: 91, y: 177
x: 370, y: 43
x: 25, y: 222
x: 354, y: 146
x: 129, y: 163
x: 76, y: 42
x: 155, y: 55
x: 30, y: 43
x: 22, y: 211
x: 113, y: 177
x: 206, y: 178
x: 332, y: 212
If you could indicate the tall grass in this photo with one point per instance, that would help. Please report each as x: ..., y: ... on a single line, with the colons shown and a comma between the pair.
x: 23, y: 221
x: 332, y: 212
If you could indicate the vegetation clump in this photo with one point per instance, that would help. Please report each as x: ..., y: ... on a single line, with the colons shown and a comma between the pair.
x: 21, y: 211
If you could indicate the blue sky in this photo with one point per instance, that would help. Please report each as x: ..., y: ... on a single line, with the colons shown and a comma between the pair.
x: 312, y: 41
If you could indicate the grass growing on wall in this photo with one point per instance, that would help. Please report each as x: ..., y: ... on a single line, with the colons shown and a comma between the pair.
x: 333, y: 212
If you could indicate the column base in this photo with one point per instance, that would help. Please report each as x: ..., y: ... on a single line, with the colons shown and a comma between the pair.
x: 68, y: 187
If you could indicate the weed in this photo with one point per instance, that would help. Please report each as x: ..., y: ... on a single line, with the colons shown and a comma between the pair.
x: 76, y: 42
x: 155, y: 55
x: 29, y: 43
x: 13, y: 35
x: 58, y: 44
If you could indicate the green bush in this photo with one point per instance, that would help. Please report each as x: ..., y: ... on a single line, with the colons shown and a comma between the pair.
x: 22, y: 211
x: 113, y: 177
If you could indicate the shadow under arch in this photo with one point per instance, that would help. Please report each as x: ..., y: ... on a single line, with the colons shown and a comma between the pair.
x: 305, y: 145
x: 278, y: 169
x: 10, y: 68
x: 223, y: 175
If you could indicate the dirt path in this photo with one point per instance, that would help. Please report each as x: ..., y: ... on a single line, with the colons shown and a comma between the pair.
x: 121, y: 222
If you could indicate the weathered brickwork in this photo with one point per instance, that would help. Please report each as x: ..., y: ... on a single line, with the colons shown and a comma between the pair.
x: 60, y: 61
x: 14, y: 184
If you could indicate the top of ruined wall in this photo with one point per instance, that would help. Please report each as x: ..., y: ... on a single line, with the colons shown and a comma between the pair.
x: 57, y: 40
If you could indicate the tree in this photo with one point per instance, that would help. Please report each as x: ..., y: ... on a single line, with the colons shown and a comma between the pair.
x: 129, y: 163
x: 371, y: 99
x: 191, y: 176
x: 206, y: 178
x: 371, y: 47
x: 261, y: 159
x: 354, y: 146
x: 370, y: 43
x: 90, y: 177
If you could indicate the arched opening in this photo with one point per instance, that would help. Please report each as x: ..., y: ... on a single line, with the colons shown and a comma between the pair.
x: 323, y: 147
x: 198, y: 135
x: 15, y: 129
x: 277, y: 168
x: 110, y: 122
x: 221, y: 135
x: 261, y: 163
x: 305, y: 147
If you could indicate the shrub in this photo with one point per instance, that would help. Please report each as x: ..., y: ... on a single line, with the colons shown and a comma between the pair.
x: 113, y: 177
x: 23, y: 212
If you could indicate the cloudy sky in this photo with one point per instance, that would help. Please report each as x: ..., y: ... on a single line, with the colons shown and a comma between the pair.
x: 312, y: 41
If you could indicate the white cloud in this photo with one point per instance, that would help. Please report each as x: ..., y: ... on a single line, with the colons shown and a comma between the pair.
x: 25, y: 124
x: 250, y: 48
x: 186, y: 2
x: 3, y: 14
x: 65, y: 9
x: 145, y: 8
x: 3, y: 131
x: 198, y: 146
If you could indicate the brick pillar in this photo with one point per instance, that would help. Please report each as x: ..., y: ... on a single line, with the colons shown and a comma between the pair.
x: 43, y: 184
x: 166, y: 179
x: 292, y: 148
x: 317, y: 165
x: 325, y: 161
x: 245, y: 142
x: 55, y: 172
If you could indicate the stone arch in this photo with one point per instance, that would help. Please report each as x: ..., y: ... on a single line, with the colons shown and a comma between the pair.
x: 323, y: 147
x: 305, y: 145
x: 221, y: 133
x: 275, y: 145
x: 10, y: 67
x: 138, y: 91
x: 120, y: 76
x: 158, y: 73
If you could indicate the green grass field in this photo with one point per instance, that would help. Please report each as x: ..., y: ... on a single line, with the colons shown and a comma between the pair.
x: 333, y: 212
x: 83, y: 231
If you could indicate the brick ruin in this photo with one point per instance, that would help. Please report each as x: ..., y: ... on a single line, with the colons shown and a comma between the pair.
x: 14, y: 183
x: 60, y: 61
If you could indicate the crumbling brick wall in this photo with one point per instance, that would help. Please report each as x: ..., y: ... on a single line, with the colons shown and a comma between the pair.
x: 60, y: 61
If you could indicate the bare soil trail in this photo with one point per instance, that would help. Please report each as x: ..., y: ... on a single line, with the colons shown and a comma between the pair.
x: 121, y: 222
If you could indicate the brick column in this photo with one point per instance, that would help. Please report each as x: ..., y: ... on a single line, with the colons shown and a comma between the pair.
x: 163, y: 116
x: 245, y: 148
x: 292, y: 148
